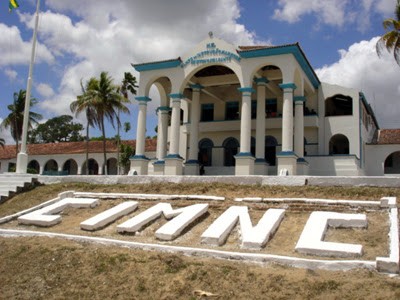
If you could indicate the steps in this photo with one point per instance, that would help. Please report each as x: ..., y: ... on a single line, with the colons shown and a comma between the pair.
x: 11, y: 183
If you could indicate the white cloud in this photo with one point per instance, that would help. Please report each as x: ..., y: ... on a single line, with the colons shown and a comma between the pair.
x: 335, y: 13
x: 45, y: 90
x: 6, y: 135
x: 109, y: 36
x: 359, y: 67
x: 11, y: 74
x: 14, y: 50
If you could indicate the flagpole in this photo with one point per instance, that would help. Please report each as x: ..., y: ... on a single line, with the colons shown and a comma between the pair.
x: 22, y: 157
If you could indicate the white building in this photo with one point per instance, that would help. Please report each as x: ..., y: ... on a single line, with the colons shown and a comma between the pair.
x: 247, y: 111
x: 255, y: 111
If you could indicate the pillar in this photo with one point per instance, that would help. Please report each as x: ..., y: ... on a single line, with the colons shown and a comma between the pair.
x: 192, y: 164
x: 162, y: 133
x: 287, y: 159
x: 139, y: 162
x: 302, y: 164
x: 260, y: 164
x: 173, y: 161
x: 245, y: 160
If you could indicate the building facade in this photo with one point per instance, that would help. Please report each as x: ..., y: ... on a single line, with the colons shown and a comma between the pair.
x: 252, y: 111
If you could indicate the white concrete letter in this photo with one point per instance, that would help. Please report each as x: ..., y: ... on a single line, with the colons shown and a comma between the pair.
x: 47, y: 216
x: 311, y: 239
x: 252, y: 237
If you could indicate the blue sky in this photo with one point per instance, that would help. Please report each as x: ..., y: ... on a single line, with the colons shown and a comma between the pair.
x: 79, y: 39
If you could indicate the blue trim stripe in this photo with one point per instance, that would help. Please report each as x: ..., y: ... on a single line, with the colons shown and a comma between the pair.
x: 174, y: 156
x: 159, y: 162
x: 246, y: 90
x: 261, y: 80
x: 244, y: 154
x: 289, y: 85
x: 176, y: 96
x: 286, y: 153
x: 196, y: 86
x: 143, y: 98
x: 157, y: 65
x: 299, y: 99
x: 139, y: 157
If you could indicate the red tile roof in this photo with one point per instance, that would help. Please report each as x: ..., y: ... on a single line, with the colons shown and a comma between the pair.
x: 388, y: 136
x: 9, y: 152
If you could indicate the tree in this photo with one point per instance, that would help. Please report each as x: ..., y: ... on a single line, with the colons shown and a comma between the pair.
x: 85, y: 103
x: 2, y: 142
x: 391, y: 39
x: 58, y: 129
x: 106, y: 103
x: 126, y: 152
x: 128, y: 85
x: 15, y: 119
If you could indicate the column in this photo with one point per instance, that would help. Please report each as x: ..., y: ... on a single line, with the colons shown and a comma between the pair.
x: 299, y: 126
x: 192, y: 164
x: 162, y: 132
x: 139, y: 162
x: 245, y: 160
x: 287, y: 158
x: 173, y: 161
x: 302, y: 164
x: 260, y: 165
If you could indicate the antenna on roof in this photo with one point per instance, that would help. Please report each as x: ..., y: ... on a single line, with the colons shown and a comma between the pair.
x: 211, y: 34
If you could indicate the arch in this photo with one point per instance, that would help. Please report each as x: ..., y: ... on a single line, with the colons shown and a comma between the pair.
x: 338, y: 105
x: 51, y: 166
x: 209, y: 70
x: 392, y: 163
x: 70, y: 167
x: 230, y: 146
x: 112, y: 166
x: 205, y: 152
x: 339, y: 144
x: 93, y: 167
x: 270, y: 150
x: 163, y: 86
x: 34, y: 166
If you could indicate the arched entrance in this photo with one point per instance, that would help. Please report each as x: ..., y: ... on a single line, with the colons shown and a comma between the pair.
x: 205, y: 152
x: 33, y: 167
x: 270, y: 150
x: 70, y: 167
x: 51, y: 166
x: 339, y: 144
x: 93, y: 167
x: 230, y: 146
x: 392, y: 163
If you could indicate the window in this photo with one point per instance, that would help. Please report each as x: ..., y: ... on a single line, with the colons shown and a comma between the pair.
x: 207, y: 112
x: 338, y: 105
x: 339, y: 144
x: 271, y: 108
x: 232, y: 111
x: 270, y: 150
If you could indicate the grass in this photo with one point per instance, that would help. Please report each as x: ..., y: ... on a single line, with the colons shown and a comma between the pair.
x: 42, y: 268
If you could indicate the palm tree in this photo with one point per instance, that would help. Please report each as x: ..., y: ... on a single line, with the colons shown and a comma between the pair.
x: 107, y: 102
x: 128, y: 84
x: 15, y: 119
x: 84, y: 103
x: 2, y: 142
x: 391, y: 39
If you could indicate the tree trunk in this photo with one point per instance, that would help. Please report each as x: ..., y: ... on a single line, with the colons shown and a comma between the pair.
x: 104, y: 147
x: 118, y: 143
x: 87, y: 148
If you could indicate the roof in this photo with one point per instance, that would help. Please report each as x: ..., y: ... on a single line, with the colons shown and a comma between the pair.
x: 8, y: 152
x: 388, y: 137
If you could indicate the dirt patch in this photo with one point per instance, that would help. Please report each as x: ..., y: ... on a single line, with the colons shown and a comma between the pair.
x: 38, y: 268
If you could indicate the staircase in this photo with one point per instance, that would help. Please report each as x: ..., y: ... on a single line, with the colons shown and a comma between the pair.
x: 12, y: 183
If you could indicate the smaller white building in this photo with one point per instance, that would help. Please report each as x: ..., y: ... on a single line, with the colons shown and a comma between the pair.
x: 68, y: 158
